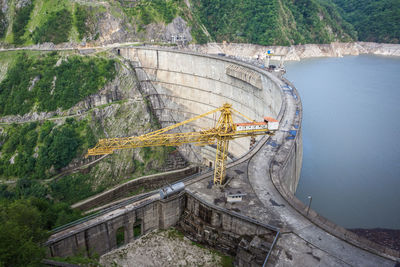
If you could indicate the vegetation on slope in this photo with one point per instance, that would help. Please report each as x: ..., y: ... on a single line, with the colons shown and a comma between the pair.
x: 38, y: 150
x: 38, y: 82
x: 317, y: 22
x: 278, y: 22
x: 24, y: 225
x: 3, y: 24
x: 81, y: 19
x: 375, y: 21
x: 56, y: 29
x: 21, y: 21
x: 275, y: 22
x: 155, y: 11
x: 86, y: 21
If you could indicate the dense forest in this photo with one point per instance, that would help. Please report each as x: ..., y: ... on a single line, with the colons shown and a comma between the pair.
x: 374, y: 21
x: 286, y: 22
x: 276, y: 22
x: 36, y: 82
x: 272, y: 22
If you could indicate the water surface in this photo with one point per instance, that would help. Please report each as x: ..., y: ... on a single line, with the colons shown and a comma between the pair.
x: 351, y: 138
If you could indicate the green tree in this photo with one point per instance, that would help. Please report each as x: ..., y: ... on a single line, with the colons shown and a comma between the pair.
x: 374, y: 21
x: 56, y: 29
x: 21, y: 232
x: 21, y: 20
x: 3, y: 24
x: 63, y: 147
x: 81, y: 17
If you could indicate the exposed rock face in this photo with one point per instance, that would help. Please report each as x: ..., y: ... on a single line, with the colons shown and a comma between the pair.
x: 3, y: 17
x: 4, y: 5
x: 297, y: 52
x: 21, y: 3
x: 159, y: 32
x: 111, y: 29
x: 178, y: 27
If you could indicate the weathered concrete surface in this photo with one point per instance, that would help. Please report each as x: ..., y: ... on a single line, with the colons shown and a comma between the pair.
x: 230, y: 232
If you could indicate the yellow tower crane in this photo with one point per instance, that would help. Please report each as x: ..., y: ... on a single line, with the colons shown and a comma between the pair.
x: 224, y: 130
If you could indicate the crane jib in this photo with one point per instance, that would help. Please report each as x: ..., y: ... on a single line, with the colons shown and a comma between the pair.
x: 224, y: 130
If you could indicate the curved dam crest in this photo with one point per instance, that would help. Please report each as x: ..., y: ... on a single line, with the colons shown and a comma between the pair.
x: 270, y: 224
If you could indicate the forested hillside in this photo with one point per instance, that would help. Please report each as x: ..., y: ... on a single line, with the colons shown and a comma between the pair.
x: 374, y: 21
x: 275, y: 22
x: 278, y: 22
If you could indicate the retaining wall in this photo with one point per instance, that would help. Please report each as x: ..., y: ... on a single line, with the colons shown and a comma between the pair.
x: 146, y: 182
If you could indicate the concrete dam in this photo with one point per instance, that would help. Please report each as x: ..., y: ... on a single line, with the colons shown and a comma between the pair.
x: 269, y: 226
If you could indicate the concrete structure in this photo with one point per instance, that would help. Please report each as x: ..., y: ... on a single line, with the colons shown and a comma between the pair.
x: 181, y: 85
x: 223, y: 229
x: 149, y: 182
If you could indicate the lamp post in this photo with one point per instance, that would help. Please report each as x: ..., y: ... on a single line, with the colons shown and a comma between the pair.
x: 309, y: 204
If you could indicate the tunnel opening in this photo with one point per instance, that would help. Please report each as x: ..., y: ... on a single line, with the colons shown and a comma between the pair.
x: 120, y: 236
x: 137, y: 229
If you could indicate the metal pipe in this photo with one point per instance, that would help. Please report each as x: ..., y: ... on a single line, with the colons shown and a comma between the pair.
x: 270, y: 250
x: 309, y: 204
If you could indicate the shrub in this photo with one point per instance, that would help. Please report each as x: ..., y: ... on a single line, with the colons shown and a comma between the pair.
x: 3, y: 24
x: 21, y: 20
x: 81, y: 17
x: 56, y: 29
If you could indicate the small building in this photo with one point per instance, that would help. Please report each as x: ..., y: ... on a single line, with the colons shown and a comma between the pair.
x: 273, y: 124
x: 234, y: 196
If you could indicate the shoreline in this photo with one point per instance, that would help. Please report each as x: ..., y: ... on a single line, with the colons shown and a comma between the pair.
x: 245, y: 50
x: 298, y: 52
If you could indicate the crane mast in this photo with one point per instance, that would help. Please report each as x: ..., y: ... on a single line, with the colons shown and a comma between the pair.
x: 224, y: 130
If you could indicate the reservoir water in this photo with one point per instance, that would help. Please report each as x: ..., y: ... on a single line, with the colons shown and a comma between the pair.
x: 351, y: 138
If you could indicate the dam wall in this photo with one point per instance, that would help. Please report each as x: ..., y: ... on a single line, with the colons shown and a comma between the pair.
x: 181, y: 85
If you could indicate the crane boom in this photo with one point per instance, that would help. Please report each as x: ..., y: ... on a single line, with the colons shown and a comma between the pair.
x: 224, y: 131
